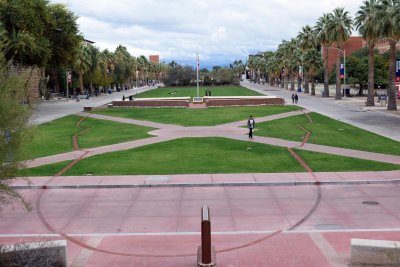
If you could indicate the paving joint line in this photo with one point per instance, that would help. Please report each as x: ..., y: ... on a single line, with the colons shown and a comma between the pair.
x: 223, y: 184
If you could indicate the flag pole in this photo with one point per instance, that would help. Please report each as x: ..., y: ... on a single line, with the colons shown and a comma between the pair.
x: 197, y: 71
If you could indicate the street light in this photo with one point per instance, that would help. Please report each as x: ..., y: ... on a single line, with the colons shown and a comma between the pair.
x: 344, y: 66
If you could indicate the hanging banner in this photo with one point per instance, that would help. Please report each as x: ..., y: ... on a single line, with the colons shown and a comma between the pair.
x: 341, y: 70
x: 398, y: 70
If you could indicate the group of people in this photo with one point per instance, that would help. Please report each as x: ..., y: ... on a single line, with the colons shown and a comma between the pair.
x: 251, y: 123
x: 295, y: 98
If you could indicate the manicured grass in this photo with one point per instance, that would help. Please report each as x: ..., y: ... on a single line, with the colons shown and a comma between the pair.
x: 320, y: 162
x: 206, y: 155
x: 192, y: 91
x: 196, y: 117
x: 56, y: 136
x: 330, y: 132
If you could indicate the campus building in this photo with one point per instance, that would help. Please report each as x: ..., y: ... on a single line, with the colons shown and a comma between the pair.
x: 154, y: 58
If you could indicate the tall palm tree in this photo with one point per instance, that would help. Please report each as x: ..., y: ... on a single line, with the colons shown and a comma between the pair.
x: 307, y: 41
x: 312, y: 59
x: 388, y: 14
x: 366, y: 23
x: 323, y: 36
x: 83, y: 62
x: 339, y: 30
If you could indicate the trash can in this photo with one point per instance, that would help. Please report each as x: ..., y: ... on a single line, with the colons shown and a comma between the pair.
x: 383, y: 100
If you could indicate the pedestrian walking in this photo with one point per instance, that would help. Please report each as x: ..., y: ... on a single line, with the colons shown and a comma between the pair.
x: 292, y: 98
x: 296, y: 98
x: 251, y: 124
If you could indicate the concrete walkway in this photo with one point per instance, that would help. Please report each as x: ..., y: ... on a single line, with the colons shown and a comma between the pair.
x: 372, y: 119
x: 230, y: 130
x: 50, y: 110
x: 258, y: 219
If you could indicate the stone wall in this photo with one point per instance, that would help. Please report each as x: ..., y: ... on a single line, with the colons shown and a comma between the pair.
x: 30, y: 78
x: 149, y: 103
x: 244, y: 102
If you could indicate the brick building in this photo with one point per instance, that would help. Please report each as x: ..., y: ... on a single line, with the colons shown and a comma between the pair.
x: 154, y: 58
x: 352, y: 45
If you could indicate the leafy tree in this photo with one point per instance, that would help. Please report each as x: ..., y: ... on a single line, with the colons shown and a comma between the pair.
x: 14, y: 125
x: 366, y: 23
x: 26, y: 23
x: 389, y: 19
x: 307, y: 41
x: 83, y: 62
x: 339, y: 30
x: 324, y: 38
x: 312, y: 59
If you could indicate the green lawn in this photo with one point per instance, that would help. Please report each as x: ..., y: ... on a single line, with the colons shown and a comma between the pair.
x: 56, y: 136
x: 206, y: 155
x: 192, y: 91
x: 196, y: 117
x: 330, y: 132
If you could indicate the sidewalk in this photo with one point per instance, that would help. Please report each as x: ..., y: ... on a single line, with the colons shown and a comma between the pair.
x: 50, y: 110
x: 373, y: 119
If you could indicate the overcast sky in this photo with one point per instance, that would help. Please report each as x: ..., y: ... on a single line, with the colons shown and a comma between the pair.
x: 222, y: 31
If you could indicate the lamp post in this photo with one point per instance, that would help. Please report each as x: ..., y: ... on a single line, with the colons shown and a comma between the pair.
x: 344, y: 66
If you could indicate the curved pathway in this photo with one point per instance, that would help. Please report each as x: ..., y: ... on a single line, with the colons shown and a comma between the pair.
x: 249, y: 202
x: 166, y: 132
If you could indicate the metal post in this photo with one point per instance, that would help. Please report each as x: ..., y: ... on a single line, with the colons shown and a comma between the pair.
x: 205, y: 235
x: 67, y: 76
x: 197, y: 68
x: 344, y: 72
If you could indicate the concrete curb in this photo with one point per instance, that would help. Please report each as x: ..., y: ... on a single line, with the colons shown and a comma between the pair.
x: 296, y: 183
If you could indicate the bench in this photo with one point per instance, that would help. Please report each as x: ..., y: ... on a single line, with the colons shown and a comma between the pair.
x: 378, y: 252
x: 82, y: 96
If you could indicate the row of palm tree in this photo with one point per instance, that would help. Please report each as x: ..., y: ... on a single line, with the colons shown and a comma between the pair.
x: 375, y: 20
x: 105, y: 68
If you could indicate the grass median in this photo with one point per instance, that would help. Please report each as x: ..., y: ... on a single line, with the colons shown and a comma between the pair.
x: 192, y: 91
x: 206, y: 155
x: 56, y: 137
x: 196, y: 117
x: 329, y: 132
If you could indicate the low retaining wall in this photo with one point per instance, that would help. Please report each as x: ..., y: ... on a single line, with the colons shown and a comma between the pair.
x: 375, y: 252
x: 153, y: 102
x: 243, y: 101
x: 44, y: 253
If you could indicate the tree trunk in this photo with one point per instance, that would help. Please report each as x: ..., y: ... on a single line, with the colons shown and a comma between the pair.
x: 306, y: 83
x: 286, y: 82
x: 338, y: 95
x: 325, y: 93
x: 392, y: 105
x: 80, y: 81
x: 371, y: 81
x: 292, y: 82
x: 312, y: 85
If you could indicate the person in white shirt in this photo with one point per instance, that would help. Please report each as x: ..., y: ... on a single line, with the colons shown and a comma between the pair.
x: 251, y: 125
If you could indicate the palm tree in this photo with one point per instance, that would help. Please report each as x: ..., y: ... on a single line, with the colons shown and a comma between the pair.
x: 388, y: 14
x: 312, y: 59
x: 322, y: 32
x: 307, y: 41
x: 366, y: 23
x: 339, y: 29
x: 82, y: 62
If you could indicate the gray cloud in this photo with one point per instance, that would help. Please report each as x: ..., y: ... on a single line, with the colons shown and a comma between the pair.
x: 220, y: 30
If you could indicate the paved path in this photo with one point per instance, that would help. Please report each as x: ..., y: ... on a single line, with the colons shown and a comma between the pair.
x: 285, y: 219
x: 50, y: 110
x: 230, y: 130
x: 369, y: 119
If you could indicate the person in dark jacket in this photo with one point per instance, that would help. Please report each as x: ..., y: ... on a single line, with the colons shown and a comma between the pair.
x: 296, y: 98
x: 251, y: 124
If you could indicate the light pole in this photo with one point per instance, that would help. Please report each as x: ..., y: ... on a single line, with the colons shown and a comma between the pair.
x: 344, y: 66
